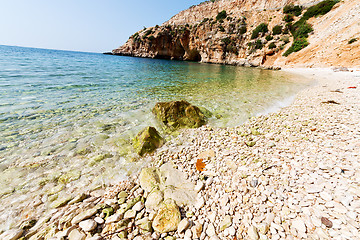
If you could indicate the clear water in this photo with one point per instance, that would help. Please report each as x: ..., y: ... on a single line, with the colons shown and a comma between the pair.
x: 67, y: 118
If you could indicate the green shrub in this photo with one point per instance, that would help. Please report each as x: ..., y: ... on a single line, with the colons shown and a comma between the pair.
x: 148, y: 32
x: 291, y: 9
x: 221, y: 15
x: 231, y: 48
x: 277, y: 30
x: 262, y: 28
x: 136, y: 35
x: 221, y: 28
x: 151, y: 37
x: 269, y: 38
x: 259, y: 44
x: 288, y: 18
x: 352, y: 40
x: 297, y: 45
x: 272, y: 45
x: 319, y: 9
x: 302, y: 31
x: 243, y: 29
x: 226, y: 40
x: 204, y: 20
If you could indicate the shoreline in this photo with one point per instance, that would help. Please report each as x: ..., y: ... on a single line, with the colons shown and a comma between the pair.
x: 266, y: 190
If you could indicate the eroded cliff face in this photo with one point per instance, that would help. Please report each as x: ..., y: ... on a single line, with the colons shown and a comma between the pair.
x: 200, y: 33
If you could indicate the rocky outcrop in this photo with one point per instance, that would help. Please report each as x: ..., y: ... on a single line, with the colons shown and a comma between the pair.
x: 200, y: 34
x: 179, y: 114
x: 147, y: 141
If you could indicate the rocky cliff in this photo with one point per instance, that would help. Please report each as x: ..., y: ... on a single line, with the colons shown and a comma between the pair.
x: 269, y: 33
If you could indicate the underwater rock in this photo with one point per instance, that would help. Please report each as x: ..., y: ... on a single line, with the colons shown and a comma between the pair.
x: 147, y: 141
x: 179, y: 114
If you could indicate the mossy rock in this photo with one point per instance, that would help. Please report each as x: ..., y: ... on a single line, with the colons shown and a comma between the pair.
x: 69, y: 177
x: 179, y: 114
x: 207, y: 113
x: 147, y: 141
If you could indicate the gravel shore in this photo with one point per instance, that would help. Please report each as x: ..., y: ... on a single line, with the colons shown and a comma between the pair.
x: 293, y: 174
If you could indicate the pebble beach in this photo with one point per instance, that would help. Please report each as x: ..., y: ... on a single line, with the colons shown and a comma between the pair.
x: 292, y: 174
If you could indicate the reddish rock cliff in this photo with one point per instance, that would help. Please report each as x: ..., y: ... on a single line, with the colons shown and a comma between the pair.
x: 200, y: 33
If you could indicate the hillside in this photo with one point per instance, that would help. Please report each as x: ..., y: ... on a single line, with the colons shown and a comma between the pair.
x: 256, y: 33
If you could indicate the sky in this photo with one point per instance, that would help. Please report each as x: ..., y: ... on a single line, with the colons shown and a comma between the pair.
x: 81, y: 25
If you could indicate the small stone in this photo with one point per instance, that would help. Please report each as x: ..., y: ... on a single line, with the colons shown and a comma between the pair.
x: 250, y: 143
x: 149, y: 178
x: 264, y: 237
x: 167, y: 218
x: 212, y: 217
x: 61, y: 202
x: 210, y: 230
x: 99, y: 220
x: 209, y: 181
x: 326, y: 196
x: 123, y: 194
x: 114, y: 218
x: 264, y: 228
x: 130, y: 214
x: 188, y: 233
x: 224, y: 200
x: 199, y: 203
x: 108, y: 212
x: 253, y: 233
x: 300, y: 226
x: 76, y: 235
x: 84, y: 215
x: 121, y: 201
x: 326, y: 222
x: 88, y: 225
x: 232, y: 231
x: 154, y: 199
x: 138, y: 206
x: 144, y: 224
x: 338, y: 170
x: 254, y: 183
x: 197, y: 230
x: 12, y: 234
x: 225, y: 223
x: 199, y: 186
x: 183, y: 225
x: 78, y: 198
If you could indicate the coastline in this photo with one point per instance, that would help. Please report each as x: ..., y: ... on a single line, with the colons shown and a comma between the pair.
x: 301, y: 170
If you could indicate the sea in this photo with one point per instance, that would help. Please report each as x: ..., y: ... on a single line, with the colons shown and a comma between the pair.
x: 67, y: 119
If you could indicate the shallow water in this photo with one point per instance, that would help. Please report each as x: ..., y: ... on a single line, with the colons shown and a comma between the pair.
x: 67, y: 118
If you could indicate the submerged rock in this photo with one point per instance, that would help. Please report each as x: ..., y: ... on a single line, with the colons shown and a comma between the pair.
x: 147, y: 141
x: 167, y: 218
x: 179, y: 114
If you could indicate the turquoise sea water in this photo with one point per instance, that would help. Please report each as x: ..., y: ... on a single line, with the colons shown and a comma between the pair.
x: 67, y: 118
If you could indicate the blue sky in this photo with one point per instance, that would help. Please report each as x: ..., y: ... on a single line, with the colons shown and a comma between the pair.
x: 81, y: 25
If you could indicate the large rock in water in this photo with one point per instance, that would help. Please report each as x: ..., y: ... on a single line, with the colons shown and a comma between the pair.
x: 147, y: 141
x: 178, y: 114
x: 167, y: 218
